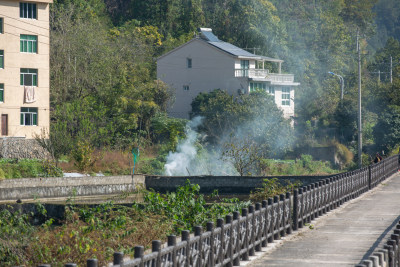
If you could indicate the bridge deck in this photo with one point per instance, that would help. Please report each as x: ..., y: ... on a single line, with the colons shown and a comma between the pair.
x: 343, y: 236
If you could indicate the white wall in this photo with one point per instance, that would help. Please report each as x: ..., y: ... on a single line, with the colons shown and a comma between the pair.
x: 211, y: 69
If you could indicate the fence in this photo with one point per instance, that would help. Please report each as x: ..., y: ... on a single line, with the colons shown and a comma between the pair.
x: 240, y: 235
x: 389, y: 256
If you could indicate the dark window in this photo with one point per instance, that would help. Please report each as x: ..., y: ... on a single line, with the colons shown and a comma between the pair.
x: 29, y: 116
x: 28, y: 77
x: 27, y: 10
x: 189, y: 63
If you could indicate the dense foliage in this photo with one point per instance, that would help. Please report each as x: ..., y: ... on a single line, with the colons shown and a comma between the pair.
x: 104, y: 90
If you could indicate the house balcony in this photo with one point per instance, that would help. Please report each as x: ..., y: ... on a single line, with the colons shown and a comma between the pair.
x: 265, y: 75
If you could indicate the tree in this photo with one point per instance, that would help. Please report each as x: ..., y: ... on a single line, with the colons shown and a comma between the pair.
x: 252, y: 116
x: 387, y: 130
x: 244, y: 154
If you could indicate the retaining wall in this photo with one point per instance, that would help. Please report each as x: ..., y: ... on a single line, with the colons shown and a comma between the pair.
x: 21, y: 148
x: 224, y: 184
x: 28, y: 188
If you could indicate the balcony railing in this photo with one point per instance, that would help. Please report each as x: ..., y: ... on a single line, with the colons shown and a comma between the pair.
x: 264, y: 74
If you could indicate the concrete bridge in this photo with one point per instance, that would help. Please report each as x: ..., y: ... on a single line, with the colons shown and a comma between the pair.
x: 343, y: 237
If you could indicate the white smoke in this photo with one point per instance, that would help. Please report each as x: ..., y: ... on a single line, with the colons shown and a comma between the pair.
x: 178, y: 162
x: 187, y: 160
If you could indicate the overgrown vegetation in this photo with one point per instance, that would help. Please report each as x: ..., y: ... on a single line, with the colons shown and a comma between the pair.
x: 28, y: 168
x: 96, y: 232
x: 303, y: 166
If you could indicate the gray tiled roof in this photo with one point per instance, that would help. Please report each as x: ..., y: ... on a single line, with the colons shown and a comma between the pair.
x: 207, y: 35
x: 232, y: 49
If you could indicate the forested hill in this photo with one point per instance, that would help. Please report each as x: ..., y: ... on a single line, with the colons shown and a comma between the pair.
x: 107, y: 49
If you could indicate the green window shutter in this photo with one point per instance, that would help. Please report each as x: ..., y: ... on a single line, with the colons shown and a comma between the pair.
x: 22, y: 119
x: 1, y: 25
x: 34, y: 118
x: 34, y: 48
x: 1, y: 95
x: 34, y: 80
x: 21, y: 76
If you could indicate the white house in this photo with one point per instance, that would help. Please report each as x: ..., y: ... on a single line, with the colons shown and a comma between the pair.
x: 206, y: 63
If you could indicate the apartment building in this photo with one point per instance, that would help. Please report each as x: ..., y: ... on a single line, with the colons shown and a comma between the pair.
x: 24, y: 68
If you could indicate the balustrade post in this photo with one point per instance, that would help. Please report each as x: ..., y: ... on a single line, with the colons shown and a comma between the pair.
x: 272, y: 221
x: 228, y: 220
x: 259, y: 227
x: 288, y: 221
x: 301, y: 208
x: 138, y: 254
x: 390, y: 255
x: 295, y: 210
x: 118, y: 258
x: 198, y: 231
x: 156, y: 247
x: 264, y: 242
x: 282, y: 211
x: 186, y: 237
x: 369, y: 177
x: 220, y: 224
x: 277, y: 219
x: 171, y: 242
x: 236, y: 260
x: 245, y: 256
x: 252, y: 231
x: 92, y: 263
x: 210, y: 228
x: 312, y: 202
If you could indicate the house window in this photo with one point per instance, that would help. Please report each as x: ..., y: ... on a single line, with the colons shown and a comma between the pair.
x: 28, y: 43
x: 189, y: 63
x: 1, y: 25
x: 27, y: 10
x: 1, y: 92
x: 258, y: 86
x: 29, y: 116
x: 271, y: 90
x: 186, y: 88
x: 244, y: 66
x: 1, y: 59
x: 28, y: 77
x: 286, y: 96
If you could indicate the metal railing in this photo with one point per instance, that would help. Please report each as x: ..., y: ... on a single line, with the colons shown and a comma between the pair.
x: 260, y: 73
x: 241, y: 234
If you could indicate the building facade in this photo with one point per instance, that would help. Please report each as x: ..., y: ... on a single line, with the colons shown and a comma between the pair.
x: 206, y: 63
x: 24, y: 68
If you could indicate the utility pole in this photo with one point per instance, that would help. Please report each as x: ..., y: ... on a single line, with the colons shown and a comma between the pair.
x: 391, y: 70
x: 359, y: 104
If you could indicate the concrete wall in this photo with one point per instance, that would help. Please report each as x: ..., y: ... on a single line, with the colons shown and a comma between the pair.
x: 21, y: 148
x: 211, y: 69
x: 224, y: 184
x: 14, y: 60
x: 28, y: 188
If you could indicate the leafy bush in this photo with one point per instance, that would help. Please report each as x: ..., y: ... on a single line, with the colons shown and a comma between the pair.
x: 272, y: 187
x: 187, y: 208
